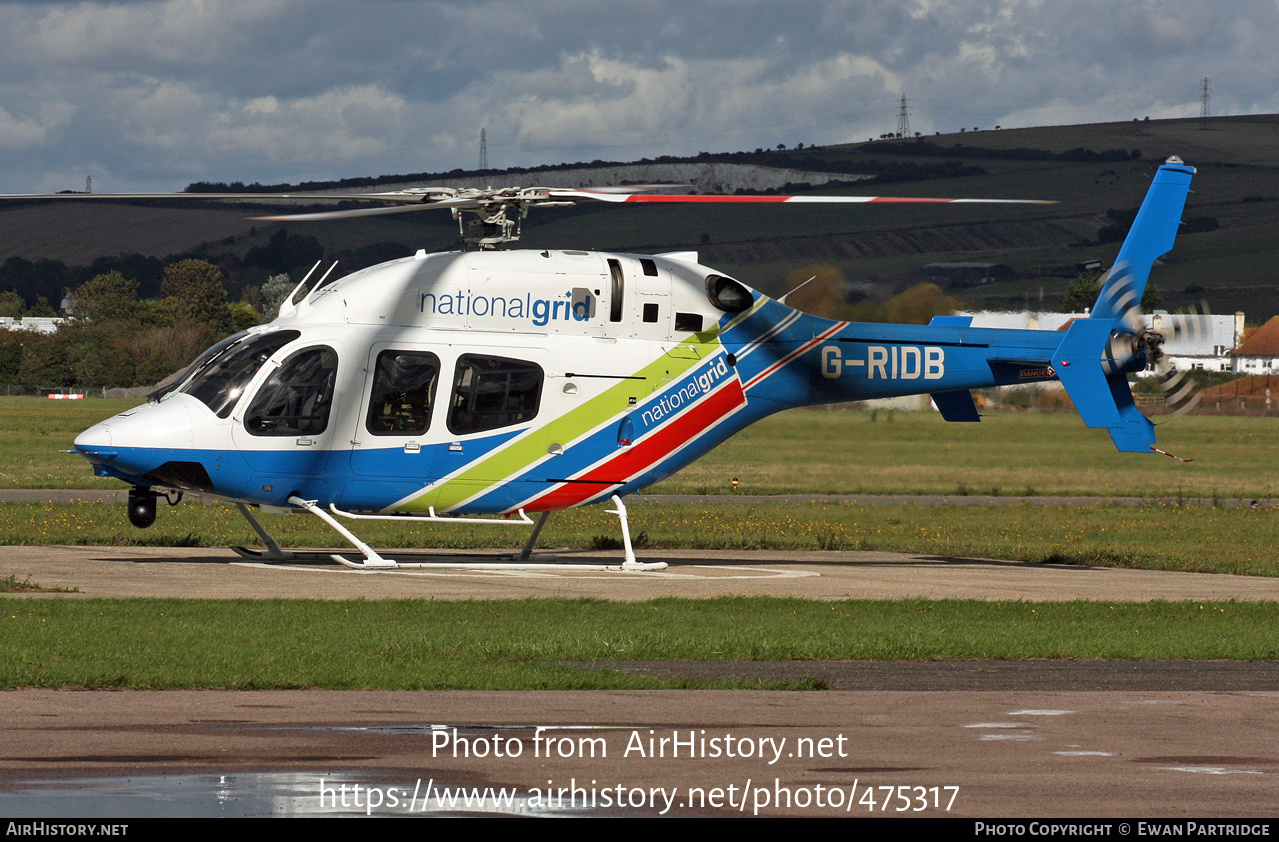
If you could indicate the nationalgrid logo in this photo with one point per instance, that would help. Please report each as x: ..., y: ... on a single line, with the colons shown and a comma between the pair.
x: 576, y: 305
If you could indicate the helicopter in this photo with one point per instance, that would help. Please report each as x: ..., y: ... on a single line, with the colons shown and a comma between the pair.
x: 487, y: 385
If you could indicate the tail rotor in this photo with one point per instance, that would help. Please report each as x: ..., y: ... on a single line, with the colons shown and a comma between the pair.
x: 1181, y: 391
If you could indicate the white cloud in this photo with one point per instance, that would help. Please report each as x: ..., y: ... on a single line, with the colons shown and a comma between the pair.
x: 158, y: 93
x: 32, y: 131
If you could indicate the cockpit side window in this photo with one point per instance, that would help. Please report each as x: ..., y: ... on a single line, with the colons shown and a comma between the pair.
x: 491, y: 392
x: 403, y: 393
x: 197, y: 364
x: 296, y: 399
x: 223, y: 377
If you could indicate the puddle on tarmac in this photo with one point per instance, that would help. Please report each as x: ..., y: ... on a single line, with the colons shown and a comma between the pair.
x: 266, y: 794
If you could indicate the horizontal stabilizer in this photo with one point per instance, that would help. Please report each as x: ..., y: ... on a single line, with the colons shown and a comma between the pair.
x: 1101, y: 400
x: 956, y: 405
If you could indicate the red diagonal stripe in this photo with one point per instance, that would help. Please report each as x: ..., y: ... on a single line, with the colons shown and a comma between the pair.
x: 644, y: 454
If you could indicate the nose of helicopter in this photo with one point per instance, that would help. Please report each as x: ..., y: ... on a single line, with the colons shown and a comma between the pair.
x: 96, y: 437
x: 132, y: 441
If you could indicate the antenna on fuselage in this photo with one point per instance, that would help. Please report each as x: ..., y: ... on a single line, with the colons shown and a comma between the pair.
x: 320, y: 283
x: 288, y: 306
x: 782, y: 300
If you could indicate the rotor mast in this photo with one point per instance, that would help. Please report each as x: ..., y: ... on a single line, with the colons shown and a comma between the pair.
x: 492, y: 227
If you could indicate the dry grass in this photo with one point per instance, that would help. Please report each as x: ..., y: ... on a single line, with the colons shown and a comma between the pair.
x: 1007, y: 454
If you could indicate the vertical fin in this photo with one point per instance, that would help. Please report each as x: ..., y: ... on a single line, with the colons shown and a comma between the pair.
x: 1151, y: 236
x: 1105, y: 400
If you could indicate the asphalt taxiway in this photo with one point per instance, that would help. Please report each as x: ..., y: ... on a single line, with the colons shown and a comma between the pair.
x: 220, y: 573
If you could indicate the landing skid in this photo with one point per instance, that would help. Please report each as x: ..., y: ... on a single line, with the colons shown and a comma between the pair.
x: 268, y: 557
x: 273, y: 551
x: 525, y: 559
x: 445, y: 561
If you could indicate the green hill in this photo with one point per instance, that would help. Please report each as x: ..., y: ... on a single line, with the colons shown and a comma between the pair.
x: 1228, y: 256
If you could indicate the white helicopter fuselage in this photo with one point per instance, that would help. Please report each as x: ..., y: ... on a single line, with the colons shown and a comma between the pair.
x: 442, y: 380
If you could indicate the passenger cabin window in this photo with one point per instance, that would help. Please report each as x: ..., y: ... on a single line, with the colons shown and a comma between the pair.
x: 224, y: 376
x: 650, y: 266
x: 403, y: 393
x: 491, y: 392
x: 688, y: 322
x: 296, y: 399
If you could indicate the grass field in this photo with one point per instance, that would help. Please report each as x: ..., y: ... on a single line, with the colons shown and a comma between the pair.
x: 832, y: 452
x: 1008, y: 453
x: 1023, y: 454
x: 420, y: 645
x: 1162, y: 537
x: 35, y: 431
x: 799, y: 452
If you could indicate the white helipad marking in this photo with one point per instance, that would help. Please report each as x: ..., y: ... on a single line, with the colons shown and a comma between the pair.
x: 999, y: 725
x: 1214, y: 770
x: 1013, y: 737
x: 462, y: 569
x: 1085, y: 753
x: 1039, y: 712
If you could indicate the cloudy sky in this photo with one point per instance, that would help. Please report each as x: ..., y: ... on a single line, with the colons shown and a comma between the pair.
x: 152, y: 95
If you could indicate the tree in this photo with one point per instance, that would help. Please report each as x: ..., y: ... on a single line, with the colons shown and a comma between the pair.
x: 110, y: 297
x: 12, y: 305
x: 42, y: 307
x: 43, y: 278
x: 164, y: 351
x: 45, y: 361
x: 243, y: 316
x: 274, y: 291
x: 146, y: 270
x: 1151, y: 298
x: 1081, y: 293
x: 821, y: 296
x: 919, y: 304
x: 96, y: 356
x: 285, y: 252
x: 10, y: 358
x: 193, y: 293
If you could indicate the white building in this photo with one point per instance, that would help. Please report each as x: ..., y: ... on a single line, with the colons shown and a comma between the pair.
x: 33, y: 324
x: 1190, y: 341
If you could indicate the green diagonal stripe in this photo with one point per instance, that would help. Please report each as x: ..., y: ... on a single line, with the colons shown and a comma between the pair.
x: 521, y: 453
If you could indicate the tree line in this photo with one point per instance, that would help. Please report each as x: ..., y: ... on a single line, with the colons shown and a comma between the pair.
x: 135, y: 319
x: 116, y: 338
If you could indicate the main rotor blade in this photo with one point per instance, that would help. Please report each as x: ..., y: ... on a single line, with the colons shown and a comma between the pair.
x: 427, y: 197
x: 614, y: 196
x: 414, y: 197
x: 353, y: 213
